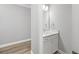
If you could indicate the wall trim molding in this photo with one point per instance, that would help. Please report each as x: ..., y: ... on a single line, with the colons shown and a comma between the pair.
x: 12, y: 43
x: 61, y: 52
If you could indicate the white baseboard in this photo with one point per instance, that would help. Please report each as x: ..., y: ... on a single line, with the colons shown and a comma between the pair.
x: 12, y: 43
x: 57, y: 50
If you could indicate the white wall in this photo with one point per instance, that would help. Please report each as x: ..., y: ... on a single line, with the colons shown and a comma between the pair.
x: 36, y: 28
x: 62, y: 16
x: 75, y: 24
x: 12, y: 23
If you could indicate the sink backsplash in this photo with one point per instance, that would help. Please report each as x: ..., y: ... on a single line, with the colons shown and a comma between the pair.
x: 48, y: 27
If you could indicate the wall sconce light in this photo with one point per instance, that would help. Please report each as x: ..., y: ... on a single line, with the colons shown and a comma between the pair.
x: 45, y: 7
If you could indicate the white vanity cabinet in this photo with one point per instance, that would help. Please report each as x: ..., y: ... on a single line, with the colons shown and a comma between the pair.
x: 50, y: 43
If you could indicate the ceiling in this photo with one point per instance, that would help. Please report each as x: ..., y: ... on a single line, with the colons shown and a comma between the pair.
x: 25, y: 5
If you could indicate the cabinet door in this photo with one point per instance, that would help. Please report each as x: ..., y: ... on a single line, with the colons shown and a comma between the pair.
x: 50, y: 44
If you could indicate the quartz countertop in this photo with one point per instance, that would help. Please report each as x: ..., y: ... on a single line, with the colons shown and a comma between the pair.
x: 47, y: 33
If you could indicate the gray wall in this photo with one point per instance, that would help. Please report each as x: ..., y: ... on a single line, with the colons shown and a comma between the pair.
x: 34, y: 29
x: 63, y: 22
x: 28, y: 22
x: 13, y: 23
x: 75, y: 24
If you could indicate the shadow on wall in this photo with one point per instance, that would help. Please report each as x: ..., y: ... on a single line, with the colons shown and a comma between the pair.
x: 60, y: 43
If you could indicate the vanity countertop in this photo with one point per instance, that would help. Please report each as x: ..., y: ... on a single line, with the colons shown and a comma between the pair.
x: 47, y: 33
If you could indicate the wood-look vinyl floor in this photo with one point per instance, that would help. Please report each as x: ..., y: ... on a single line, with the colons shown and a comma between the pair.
x: 21, y: 48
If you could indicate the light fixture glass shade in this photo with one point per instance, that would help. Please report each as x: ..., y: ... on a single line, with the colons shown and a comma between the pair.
x: 45, y: 8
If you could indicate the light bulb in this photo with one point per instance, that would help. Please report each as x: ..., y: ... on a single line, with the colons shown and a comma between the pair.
x: 44, y: 7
